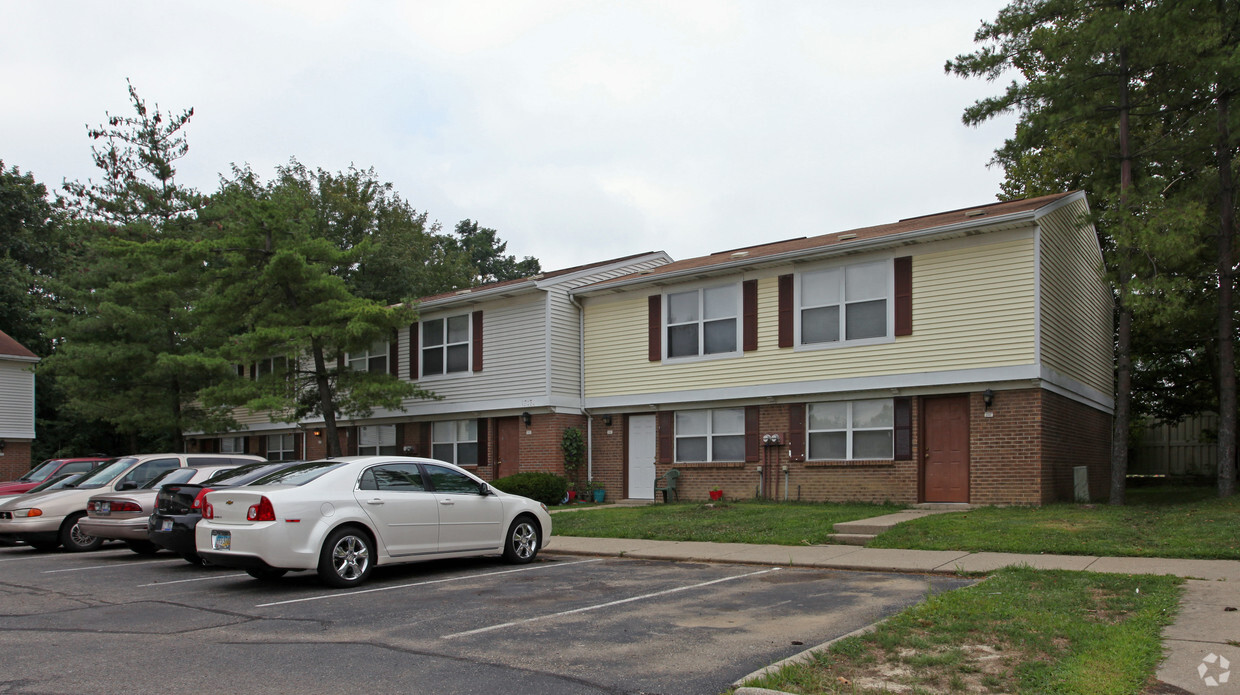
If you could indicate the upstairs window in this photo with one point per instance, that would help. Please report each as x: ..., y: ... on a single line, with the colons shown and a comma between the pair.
x: 851, y: 430
x: 703, y: 322
x: 445, y: 345
x: 373, y: 359
x: 455, y: 441
x: 710, y: 435
x: 848, y: 303
x: 272, y: 365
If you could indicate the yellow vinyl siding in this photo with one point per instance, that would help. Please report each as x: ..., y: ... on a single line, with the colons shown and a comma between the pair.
x: 973, y: 307
x: 1076, y: 300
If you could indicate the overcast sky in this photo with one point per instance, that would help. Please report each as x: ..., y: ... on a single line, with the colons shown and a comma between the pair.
x: 580, y: 130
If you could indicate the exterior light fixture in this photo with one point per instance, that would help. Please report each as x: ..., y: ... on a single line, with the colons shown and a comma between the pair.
x: 988, y: 397
x: 525, y: 417
x: 317, y: 433
x: 606, y: 421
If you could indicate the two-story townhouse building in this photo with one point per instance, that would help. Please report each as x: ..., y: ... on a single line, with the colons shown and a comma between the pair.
x: 503, y: 360
x: 964, y: 356
x: 16, y: 407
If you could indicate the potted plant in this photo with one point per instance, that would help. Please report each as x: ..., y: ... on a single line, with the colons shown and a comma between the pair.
x: 597, y: 490
x: 716, y: 494
x: 573, y: 446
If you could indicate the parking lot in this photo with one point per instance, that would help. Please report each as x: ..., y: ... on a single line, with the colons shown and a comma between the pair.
x: 114, y: 620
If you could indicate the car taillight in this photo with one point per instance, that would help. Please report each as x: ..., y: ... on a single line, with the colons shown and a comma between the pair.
x: 208, y: 512
x: 91, y: 506
x: 126, y: 507
x: 261, y: 511
x: 198, y: 501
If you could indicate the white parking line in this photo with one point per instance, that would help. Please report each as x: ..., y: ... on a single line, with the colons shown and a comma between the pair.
x: 425, y: 583
x: 196, y: 579
x: 606, y: 605
x: 35, y: 555
x: 96, y: 567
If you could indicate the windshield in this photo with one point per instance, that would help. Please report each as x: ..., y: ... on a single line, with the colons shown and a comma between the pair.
x: 170, y: 477
x: 40, y: 473
x: 56, y: 483
x: 104, y: 474
x: 298, y: 475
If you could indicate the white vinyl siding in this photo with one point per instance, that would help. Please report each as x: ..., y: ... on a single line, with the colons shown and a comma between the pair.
x: 16, y: 400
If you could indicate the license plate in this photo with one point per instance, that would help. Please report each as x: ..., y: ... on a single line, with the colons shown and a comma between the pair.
x: 104, y: 508
x: 166, y: 525
x: 221, y: 540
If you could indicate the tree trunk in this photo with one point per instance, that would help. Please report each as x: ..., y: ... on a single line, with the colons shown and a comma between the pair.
x: 1123, y: 336
x: 326, y: 402
x: 1226, y: 309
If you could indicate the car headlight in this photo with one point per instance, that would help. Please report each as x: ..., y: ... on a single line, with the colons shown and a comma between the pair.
x: 24, y: 513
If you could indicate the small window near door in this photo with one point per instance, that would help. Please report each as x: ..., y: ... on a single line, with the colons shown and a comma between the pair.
x: 851, y: 430
x: 455, y: 441
x: 280, y: 447
x: 376, y: 440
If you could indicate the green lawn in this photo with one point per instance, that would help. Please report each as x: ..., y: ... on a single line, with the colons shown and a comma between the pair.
x: 1020, y: 631
x: 781, y: 523
x: 1157, y: 522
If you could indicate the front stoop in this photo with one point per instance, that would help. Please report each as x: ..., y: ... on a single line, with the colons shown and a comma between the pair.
x: 863, y: 531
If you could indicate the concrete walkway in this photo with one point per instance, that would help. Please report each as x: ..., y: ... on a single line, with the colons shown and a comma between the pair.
x: 1202, y: 646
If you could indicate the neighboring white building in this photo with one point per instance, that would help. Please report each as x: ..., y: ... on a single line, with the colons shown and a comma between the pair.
x: 16, y: 407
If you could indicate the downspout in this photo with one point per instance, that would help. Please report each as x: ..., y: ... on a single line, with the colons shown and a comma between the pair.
x: 581, y: 384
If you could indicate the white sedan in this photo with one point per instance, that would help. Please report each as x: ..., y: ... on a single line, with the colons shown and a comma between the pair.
x: 341, y: 517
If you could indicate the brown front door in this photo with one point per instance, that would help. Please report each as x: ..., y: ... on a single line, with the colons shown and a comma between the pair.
x: 508, y: 448
x: 945, y: 432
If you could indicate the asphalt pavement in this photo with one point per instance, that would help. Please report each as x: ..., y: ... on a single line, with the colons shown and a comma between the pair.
x: 1201, y: 648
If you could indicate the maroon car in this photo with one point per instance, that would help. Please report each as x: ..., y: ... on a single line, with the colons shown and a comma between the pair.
x: 48, y: 469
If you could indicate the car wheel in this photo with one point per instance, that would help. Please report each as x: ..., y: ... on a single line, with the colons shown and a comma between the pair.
x: 44, y: 546
x: 266, y: 574
x: 346, y: 559
x: 143, y: 547
x: 194, y: 559
x: 522, y: 542
x: 72, y: 537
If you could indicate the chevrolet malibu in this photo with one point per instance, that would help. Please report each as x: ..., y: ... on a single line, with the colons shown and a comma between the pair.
x: 341, y: 517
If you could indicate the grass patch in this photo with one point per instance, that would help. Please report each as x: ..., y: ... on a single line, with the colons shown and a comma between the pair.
x: 781, y: 523
x: 1156, y: 522
x: 1020, y: 631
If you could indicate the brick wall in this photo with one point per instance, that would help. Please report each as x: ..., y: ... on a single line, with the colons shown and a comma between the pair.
x: 1074, y: 434
x: 608, y: 446
x: 15, y: 459
x: 1006, y: 448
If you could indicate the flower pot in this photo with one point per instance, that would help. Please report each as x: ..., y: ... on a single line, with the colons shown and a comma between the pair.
x: 716, y: 495
x: 599, y: 495
x: 572, y: 496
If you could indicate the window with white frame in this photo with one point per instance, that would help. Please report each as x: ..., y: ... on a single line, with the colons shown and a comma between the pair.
x: 232, y: 445
x: 710, y: 435
x: 846, y: 303
x: 850, y: 430
x: 455, y: 441
x: 445, y: 345
x: 703, y: 321
x: 375, y: 440
x: 372, y: 359
x: 271, y: 365
x: 281, y: 447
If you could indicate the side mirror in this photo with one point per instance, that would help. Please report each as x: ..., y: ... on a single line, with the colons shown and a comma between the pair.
x: 127, y: 485
x: 484, y: 489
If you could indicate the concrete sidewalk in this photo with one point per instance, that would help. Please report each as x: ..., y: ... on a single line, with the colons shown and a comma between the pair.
x: 1202, y: 646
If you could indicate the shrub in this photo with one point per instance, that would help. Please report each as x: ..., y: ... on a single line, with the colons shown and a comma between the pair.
x: 547, y: 488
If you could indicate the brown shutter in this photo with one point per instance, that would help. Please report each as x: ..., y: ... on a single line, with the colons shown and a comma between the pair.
x: 413, y: 352
x: 785, y: 311
x: 749, y: 315
x: 903, y: 412
x: 796, y: 432
x: 340, y: 362
x: 394, y: 354
x: 350, y: 441
x: 400, y: 438
x: 260, y: 445
x: 666, y: 442
x: 477, y: 341
x: 484, y: 457
x: 655, y: 327
x: 904, y: 295
x: 753, y: 444
x: 297, y: 439
x: 253, y: 370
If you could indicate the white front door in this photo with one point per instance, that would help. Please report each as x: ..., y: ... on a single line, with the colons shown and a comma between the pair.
x: 641, y: 457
